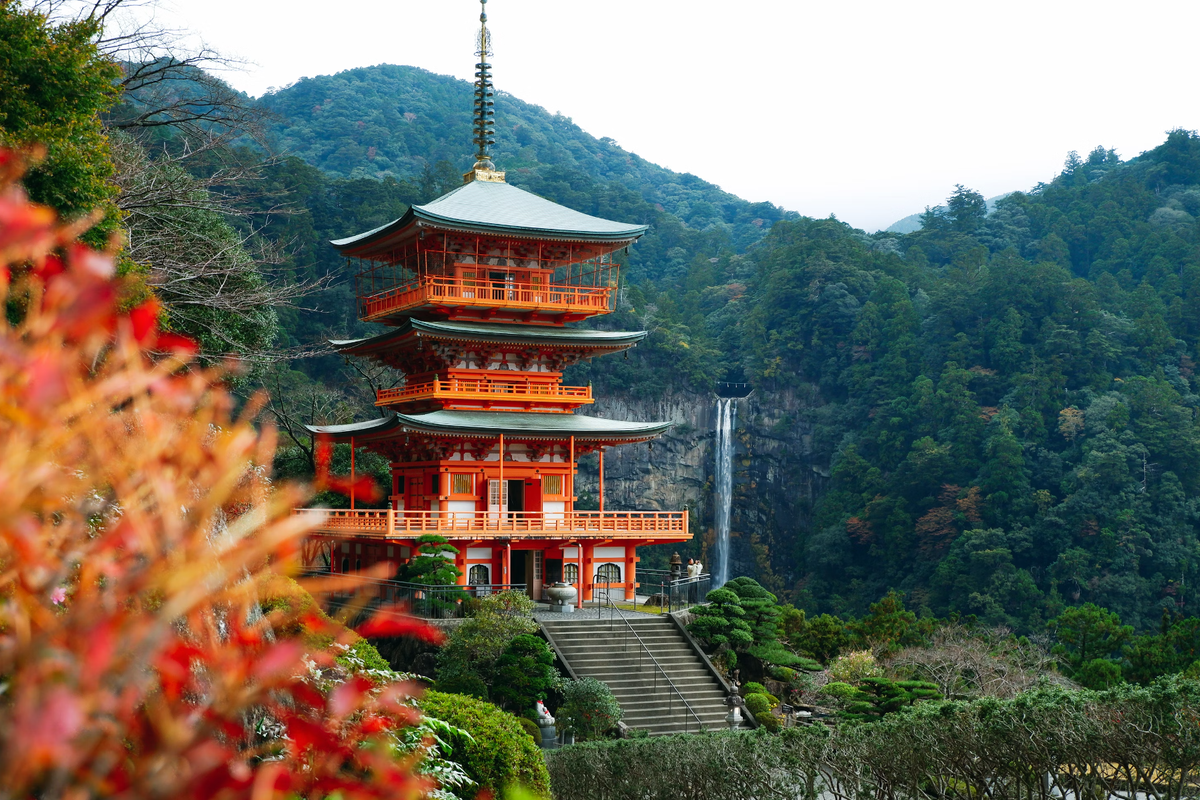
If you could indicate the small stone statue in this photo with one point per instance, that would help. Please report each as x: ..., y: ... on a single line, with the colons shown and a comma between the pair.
x: 544, y: 720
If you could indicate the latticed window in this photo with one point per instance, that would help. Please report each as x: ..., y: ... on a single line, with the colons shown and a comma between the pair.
x: 478, y: 575
x: 552, y: 484
x: 462, y: 483
x: 609, y: 573
x: 537, y: 564
x: 571, y: 573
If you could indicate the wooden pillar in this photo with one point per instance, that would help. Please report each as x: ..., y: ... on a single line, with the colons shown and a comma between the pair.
x: 579, y: 556
x: 351, y: 473
x: 571, y: 478
x: 506, y: 576
x: 460, y: 561
x: 631, y: 571
x: 503, y: 489
x: 587, y: 553
x: 602, y: 480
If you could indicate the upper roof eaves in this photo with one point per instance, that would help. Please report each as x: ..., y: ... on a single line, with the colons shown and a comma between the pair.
x: 500, y: 209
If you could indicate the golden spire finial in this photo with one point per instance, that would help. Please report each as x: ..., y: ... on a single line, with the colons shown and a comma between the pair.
x: 485, y: 112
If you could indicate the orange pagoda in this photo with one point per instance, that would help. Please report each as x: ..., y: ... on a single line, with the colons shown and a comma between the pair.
x: 477, y: 288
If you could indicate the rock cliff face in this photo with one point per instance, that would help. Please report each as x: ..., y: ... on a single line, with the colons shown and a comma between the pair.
x: 777, y: 478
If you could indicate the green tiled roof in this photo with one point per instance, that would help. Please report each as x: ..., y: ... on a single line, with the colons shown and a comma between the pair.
x: 501, y: 208
x: 492, y: 423
x: 492, y: 331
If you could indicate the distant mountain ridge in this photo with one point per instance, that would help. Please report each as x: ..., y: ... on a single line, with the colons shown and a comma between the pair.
x: 399, y: 121
x: 912, y: 223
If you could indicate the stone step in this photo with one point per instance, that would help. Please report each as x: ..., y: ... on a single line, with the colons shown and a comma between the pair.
x: 675, y: 676
x: 668, y: 662
x: 608, y: 651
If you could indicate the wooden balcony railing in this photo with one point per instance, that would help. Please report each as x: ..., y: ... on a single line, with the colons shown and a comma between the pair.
x: 486, y: 389
x: 449, y: 291
x: 390, y: 524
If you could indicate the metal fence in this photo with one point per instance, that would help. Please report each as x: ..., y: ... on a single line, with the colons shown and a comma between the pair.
x: 673, y: 593
x: 429, y: 601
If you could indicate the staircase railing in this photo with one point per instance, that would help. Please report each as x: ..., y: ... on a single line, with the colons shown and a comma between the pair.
x: 614, y: 614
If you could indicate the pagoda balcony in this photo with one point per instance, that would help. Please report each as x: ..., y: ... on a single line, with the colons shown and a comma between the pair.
x: 383, y: 523
x: 482, y: 297
x: 487, y: 393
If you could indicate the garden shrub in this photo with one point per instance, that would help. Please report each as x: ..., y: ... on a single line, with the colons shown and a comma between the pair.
x: 783, y: 674
x: 525, y: 674
x: 588, y: 708
x: 477, y: 644
x: 854, y: 667
x: 1123, y: 742
x: 838, y: 690
x: 501, y: 755
x: 532, y: 729
x: 758, y: 703
x: 876, y: 697
x: 753, y: 687
x: 467, y: 683
x: 768, y: 721
x: 720, y: 622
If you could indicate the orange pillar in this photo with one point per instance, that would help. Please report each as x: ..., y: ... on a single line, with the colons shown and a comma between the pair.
x: 579, y: 594
x: 351, y: 473
x: 503, y: 489
x: 507, y: 576
x: 601, y: 480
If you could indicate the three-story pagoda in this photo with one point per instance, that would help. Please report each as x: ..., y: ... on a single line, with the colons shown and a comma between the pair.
x: 478, y: 288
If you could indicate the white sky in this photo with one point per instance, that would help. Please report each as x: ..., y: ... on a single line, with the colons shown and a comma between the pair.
x: 867, y: 110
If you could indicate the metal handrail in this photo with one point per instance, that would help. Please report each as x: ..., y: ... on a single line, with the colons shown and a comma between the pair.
x: 646, y: 650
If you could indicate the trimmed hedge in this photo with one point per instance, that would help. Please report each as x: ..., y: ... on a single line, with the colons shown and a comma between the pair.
x: 1085, y: 744
x: 503, y: 755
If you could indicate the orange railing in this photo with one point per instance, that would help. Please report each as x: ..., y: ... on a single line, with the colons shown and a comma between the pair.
x: 390, y: 524
x: 491, y: 294
x: 484, y: 389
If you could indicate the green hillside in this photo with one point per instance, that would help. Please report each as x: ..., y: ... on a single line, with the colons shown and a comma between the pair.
x: 399, y: 121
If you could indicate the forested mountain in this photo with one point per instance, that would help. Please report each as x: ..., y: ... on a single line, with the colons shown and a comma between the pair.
x: 400, y: 122
x: 1005, y: 402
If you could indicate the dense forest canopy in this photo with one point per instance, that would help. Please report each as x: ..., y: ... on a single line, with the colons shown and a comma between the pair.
x: 1004, y: 400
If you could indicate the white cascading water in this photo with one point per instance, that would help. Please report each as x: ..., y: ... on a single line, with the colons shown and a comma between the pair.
x: 723, y: 495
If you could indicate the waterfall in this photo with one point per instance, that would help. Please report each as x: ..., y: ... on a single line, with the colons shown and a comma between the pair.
x: 723, y: 494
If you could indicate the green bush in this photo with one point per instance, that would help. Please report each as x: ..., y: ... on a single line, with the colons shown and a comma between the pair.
x: 363, y: 655
x: 467, y: 683
x: 588, y: 708
x: 757, y: 703
x: 501, y: 754
x: 838, y: 690
x: 753, y: 687
x: 1073, y: 740
x: 783, y: 674
x: 720, y: 622
x: 476, y: 645
x: 768, y: 720
x: 532, y: 729
x: 525, y: 674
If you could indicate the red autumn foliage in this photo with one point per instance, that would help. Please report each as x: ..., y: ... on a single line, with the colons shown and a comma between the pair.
x: 133, y: 660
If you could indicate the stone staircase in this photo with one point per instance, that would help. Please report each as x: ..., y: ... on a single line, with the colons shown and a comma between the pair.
x: 607, y: 651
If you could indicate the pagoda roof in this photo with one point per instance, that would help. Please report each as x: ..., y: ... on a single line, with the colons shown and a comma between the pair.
x: 492, y: 332
x: 492, y: 207
x: 493, y: 423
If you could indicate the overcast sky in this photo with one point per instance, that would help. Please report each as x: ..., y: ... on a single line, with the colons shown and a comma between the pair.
x: 866, y: 110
